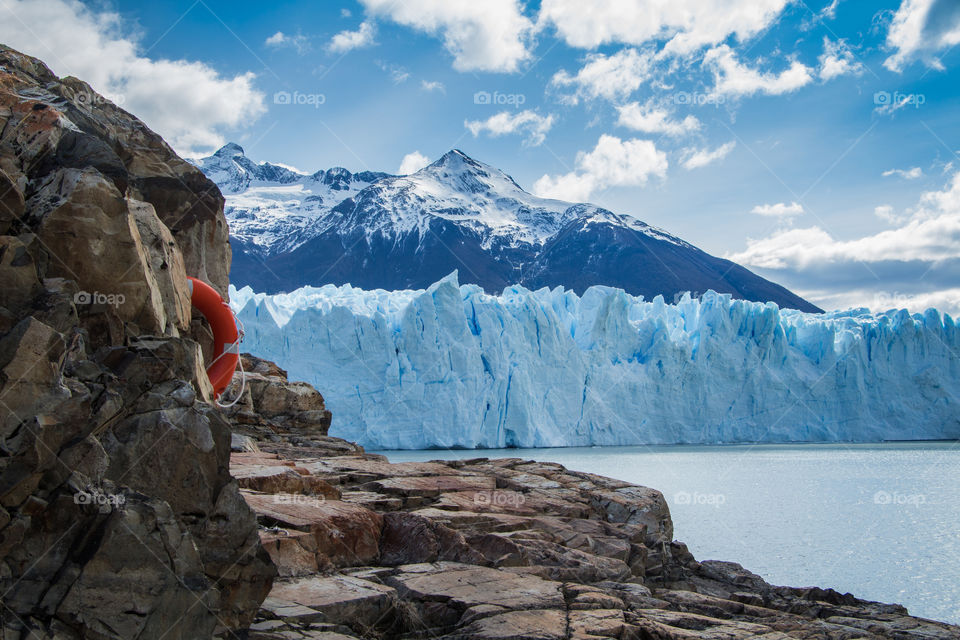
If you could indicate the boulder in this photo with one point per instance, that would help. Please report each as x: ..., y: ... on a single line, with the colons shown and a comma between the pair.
x: 271, y: 400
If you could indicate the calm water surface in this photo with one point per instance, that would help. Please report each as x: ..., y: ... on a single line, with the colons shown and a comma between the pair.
x: 879, y: 521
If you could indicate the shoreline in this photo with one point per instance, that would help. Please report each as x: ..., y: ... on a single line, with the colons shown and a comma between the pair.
x: 825, y: 491
x: 684, y: 445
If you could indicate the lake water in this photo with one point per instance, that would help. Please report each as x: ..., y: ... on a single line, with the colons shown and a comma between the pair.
x: 879, y: 521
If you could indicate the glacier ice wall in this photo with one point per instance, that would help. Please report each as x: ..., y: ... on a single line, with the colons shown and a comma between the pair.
x: 454, y: 367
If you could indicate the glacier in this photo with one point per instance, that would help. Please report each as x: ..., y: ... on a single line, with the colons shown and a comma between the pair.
x: 454, y: 367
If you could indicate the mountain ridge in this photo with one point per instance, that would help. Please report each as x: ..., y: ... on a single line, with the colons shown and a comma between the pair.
x: 378, y: 230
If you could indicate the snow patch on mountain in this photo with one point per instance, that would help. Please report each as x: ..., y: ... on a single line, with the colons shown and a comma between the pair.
x: 273, y: 208
x: 276, y: 209
x: 452, y: 366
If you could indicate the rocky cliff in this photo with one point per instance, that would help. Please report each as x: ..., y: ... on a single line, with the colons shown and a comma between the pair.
x: 118, y: 514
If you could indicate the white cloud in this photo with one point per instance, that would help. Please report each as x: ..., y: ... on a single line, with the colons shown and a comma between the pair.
x: 697, y: 158
x: 906, y: 174
x: 879, y: 301
x: 650, y: 119
x: 612, y: 163
x: 398, y: 74
x: 611, y: 77
x: 886, y: 213
x: 686, y: 25
x: 412, y: 162
x: 530, y: 123
x: 920, y: 29
x: 349, y: 40
x: 931, y: 234
x: 433, y: 85
x: 482, y: 36
x: 188, y: 103
x: 779, y: 210
x: 733, y: 78
x: 837, y: 60
x: 829, y: 12
x: 279, y: 40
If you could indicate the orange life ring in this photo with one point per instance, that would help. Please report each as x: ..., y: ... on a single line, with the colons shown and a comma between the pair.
x: 226, y: 338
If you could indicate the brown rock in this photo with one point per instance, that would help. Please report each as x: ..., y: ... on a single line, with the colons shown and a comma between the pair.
x: 281, y: 479
x: 518, y: 625
x: 271, y: 400
x: 410, y: 539
x: 347, y: 534
x: 359, y: 604
x: 431, y: 486
x: 637, y: 505
x: 294, y: 553
x: 104, y: 391
x: 463, y: 586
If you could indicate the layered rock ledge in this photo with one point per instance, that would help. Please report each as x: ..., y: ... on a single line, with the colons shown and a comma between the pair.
x: 498, y: 549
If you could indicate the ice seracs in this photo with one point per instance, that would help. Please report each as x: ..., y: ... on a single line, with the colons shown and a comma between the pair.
x: 452, y: 366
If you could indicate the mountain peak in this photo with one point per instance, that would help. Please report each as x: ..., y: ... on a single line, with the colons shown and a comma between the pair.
x: 457, y: 169
x: 456, y: 160
x: 229, y: 150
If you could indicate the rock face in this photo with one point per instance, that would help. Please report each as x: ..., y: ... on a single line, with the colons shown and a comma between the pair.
x: 270, y: 399
x: 508, y: 549
x: 119, y: 517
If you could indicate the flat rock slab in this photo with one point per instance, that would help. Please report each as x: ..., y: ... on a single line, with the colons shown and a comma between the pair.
x: 465, y: 586
x: 365, y: 469
x: 281, y: 479
x: 347, y: 534
x: 546, y: 625
x: 359, y: 604
x: 669, y: 624
x: 371, y: 500
x: 432, y: 486
x: 517, y: 625
x: 238, y: 459
x: 475, y: 521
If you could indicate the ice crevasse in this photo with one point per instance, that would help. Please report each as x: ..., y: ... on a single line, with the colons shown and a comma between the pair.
x: 452, y: 366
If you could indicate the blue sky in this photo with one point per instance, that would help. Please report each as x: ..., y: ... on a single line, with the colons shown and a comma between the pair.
x: 814, y: 142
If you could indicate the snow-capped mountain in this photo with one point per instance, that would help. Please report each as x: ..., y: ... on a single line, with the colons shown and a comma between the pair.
x: 375, y: 230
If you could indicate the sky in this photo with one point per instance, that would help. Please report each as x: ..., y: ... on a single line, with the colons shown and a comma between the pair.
x: 815, y: 143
